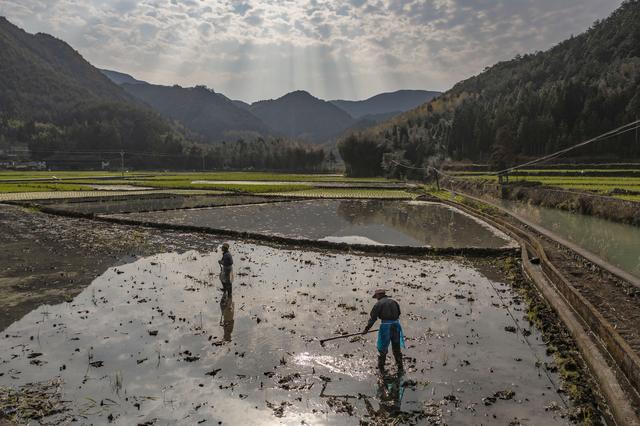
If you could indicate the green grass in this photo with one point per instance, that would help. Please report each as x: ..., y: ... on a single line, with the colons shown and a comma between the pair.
x: 78, y: 180
x: 601, y: 185
x: 569, y: 172
x: 629, y: 197
x: 235, y: 176
x: 41, y: 187
x: 186, y: 184
x: 10, y: 175
x: 349, y: 193
x: 262, y: 176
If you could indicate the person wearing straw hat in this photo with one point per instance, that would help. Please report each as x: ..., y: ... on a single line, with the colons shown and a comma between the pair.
x: 226, y: 269
x: 390, y: 331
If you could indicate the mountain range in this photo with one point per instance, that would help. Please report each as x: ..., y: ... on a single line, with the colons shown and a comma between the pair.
x: 46, y: 80
x: 385, y: 104
x: 199, y: 109
x: 297, y: 115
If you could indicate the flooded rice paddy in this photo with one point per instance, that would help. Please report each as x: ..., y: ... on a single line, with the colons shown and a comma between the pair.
x: 153, y: 342
x: 376, y: 222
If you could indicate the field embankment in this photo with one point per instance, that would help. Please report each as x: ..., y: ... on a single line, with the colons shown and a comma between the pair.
x: 570, y: 198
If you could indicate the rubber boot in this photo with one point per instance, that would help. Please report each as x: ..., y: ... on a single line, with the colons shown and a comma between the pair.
x: 382, y: 358
x: 398, y: 356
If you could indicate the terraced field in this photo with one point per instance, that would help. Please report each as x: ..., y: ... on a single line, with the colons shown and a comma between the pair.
x: 303, y: 185
x: 348, y: 193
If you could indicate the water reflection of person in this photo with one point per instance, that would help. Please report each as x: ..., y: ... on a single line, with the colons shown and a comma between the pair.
x: 390, y: 393
x: 226, y: 269
x: 226, y: 318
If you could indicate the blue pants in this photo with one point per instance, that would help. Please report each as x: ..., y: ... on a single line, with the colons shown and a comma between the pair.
x: 390, y: 332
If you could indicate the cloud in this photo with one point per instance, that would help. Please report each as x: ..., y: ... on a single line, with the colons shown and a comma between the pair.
x: 254, y: 49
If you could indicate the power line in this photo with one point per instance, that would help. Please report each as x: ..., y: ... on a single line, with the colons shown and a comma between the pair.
x: 610, y: 134
x: 438, y: 171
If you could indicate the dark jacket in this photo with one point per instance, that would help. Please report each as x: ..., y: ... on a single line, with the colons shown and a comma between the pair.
x: 227, y: 260
x: 385, y: 309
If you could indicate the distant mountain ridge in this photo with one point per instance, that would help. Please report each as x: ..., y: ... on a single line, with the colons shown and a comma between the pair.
x: 386, y: 105
x: 300, y: 115
x: 120, y: 77
x: 297, y: 114
x: 200, y: 109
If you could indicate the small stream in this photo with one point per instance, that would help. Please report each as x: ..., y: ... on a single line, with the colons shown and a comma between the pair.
x: 617, y: 243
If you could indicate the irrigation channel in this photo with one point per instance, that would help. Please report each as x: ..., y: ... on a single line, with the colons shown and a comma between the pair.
x: 153, y: 340
x: 617, y: 243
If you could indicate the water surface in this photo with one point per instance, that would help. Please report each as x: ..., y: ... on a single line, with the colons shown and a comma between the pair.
x: 402, y: 223
x: 154, y: 341
x: 617, y: 243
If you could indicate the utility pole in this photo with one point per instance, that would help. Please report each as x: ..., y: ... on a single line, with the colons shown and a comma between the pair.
x: 122, y: 163
x: 203, y: 161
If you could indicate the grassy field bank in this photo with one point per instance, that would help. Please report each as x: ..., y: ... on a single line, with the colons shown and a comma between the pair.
x: 623, y: 187
x: 303, y: 185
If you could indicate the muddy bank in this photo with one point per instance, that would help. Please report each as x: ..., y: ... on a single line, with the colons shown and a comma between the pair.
x: 604, y: 207
x: 50, y: 259
x: 153, y: 341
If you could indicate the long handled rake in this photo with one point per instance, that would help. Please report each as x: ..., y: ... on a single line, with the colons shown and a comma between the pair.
x: 344, y: 336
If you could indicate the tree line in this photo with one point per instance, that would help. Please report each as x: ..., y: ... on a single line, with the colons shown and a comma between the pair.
x: 89, y: 135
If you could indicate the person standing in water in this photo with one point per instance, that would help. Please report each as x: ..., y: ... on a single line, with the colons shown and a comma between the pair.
x: 226, y: 269
x: 390, y: 331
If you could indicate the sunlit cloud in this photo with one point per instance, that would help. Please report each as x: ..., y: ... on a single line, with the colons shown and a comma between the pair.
x: 335, y: 49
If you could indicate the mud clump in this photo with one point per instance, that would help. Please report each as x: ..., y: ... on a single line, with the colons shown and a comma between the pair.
x: 34, y: 402
x: 278, y: 409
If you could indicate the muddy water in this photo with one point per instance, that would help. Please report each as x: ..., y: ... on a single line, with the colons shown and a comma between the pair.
x: 367, y: 222
x: 155, y: 341
x: 617, y: 243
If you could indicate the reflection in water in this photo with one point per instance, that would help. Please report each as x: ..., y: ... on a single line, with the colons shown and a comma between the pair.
x: 373, y: 221
x: 617, y: 243
x: 144, y: 344
x: 226, y: 316
x: 390, y: 393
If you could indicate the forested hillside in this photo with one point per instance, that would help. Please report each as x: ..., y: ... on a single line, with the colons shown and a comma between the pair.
x: 42, y: 76
x: 56, y: 103
x: 198, y: 108
x: 532, y: 105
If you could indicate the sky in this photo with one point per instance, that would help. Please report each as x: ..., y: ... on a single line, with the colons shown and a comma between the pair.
x: 349, y: 49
